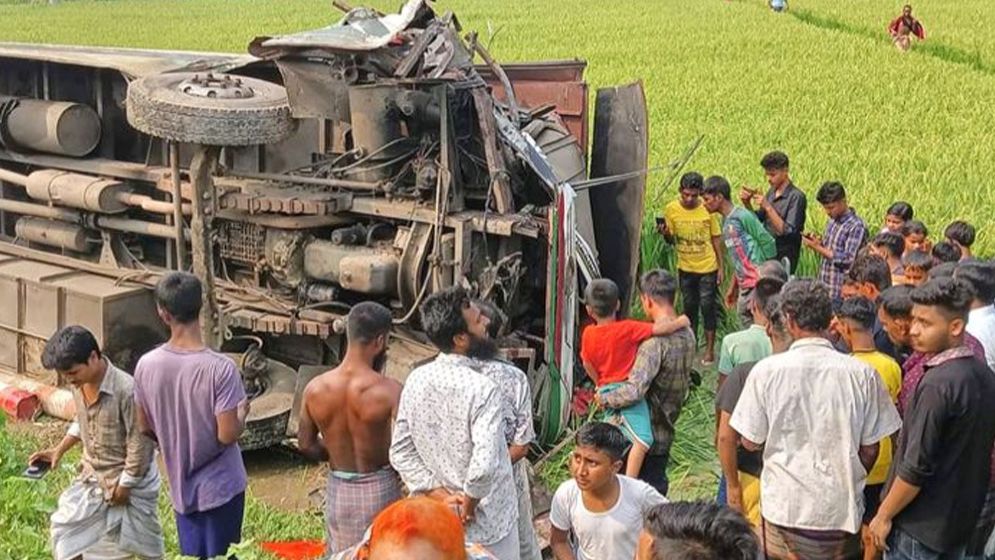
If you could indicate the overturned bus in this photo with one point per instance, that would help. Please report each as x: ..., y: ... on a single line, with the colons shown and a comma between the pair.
x: 381, y: 158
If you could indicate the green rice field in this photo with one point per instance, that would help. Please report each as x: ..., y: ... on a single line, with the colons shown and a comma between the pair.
x: 821, y: 82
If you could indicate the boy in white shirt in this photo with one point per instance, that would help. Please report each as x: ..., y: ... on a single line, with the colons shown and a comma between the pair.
x: 598, y: 514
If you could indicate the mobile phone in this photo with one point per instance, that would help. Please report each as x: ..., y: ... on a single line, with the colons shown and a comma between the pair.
x: 37, y: 470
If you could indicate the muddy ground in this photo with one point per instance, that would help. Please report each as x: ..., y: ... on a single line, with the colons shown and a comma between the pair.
x: 278, y: 476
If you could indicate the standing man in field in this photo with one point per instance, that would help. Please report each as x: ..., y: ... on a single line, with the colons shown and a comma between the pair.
x: 352, y: 407
x: 661, y: 375
x: 904, y: 28
x: 845, y: 235
x: 109, y: 510
x: 747, y: 244
x: 190, y: 399
x: 782, y: 210
x: 697, y: 235
x: 449, y: 440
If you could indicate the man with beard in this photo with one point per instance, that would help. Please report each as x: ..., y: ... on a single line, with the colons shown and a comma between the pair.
x: 352, y: 407
x: 519, y: 429
x: 449, y: 440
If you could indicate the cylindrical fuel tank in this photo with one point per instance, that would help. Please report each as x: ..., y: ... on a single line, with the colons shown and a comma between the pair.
x: 56, y: 127
x: 77, y: 191
x: 376, y: 128
x: 359, y: 269
x: 55, y: 234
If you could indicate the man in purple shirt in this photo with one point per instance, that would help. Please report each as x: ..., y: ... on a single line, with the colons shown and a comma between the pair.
x: 845, y: 235
x: 191, y: 400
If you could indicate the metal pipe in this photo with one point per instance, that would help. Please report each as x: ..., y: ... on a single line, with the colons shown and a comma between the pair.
x: 509, y: 89
x: 11, y: 177
x: 137, y: 226
x: 344, y: 183
x: 40, y: 210
x: 152, y: 205
x: 55, y: 233
x: 178, y: 206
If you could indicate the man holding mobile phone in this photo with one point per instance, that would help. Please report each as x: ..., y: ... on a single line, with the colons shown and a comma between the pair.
x: 782, y: 210
x: 109, y: 511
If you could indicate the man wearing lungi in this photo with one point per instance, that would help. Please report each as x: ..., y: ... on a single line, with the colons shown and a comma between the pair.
x: 346, y: 420
x: 191, y: 400
x: 109, y: 511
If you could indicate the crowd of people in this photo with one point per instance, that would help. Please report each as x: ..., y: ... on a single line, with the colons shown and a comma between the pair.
x: 852, y: 409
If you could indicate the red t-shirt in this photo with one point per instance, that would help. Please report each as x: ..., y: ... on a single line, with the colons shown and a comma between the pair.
x: 611, y: 349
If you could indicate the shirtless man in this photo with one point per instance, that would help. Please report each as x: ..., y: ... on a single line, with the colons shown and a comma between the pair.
x: 353, y: 406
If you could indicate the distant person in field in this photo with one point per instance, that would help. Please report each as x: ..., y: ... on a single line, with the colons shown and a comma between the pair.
x: 109, y: 510
x: 782, y: 210
x: 906, y: 28
x: 917, y: 265
x: 346, y: 420
x: 961, y: 234
x: 897, y: 215
x: 916, y: 236
x: 191, y: 400
x: 747, y: 242
x: 844, y: 237
x: 608, y: 350
x: 945, y: 252
x: 890, y: 246
x: 697, y: 236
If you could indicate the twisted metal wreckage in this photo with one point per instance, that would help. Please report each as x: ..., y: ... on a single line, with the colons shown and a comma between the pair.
x: 370, y: 159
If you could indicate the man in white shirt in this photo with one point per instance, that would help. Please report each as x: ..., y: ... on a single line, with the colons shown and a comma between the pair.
x: 981, y: 319
x: 819, y: 416
x: 598, y: 514
x: 449, y: 438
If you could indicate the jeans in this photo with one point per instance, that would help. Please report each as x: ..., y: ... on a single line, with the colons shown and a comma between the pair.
x: 723, y: 494
x: 700, y: 291
x: 903, y: 546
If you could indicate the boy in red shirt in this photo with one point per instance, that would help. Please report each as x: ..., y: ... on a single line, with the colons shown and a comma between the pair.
x: 608, y: 349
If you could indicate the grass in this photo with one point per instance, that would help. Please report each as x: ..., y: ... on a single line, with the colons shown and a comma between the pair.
x: 25, y: 506
x: 822, y: 83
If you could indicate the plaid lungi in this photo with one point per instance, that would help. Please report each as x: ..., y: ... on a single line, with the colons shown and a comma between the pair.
x: 353, y: 500
x: 782, y: 543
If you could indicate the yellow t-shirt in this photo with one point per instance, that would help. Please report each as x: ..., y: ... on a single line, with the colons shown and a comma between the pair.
x: 891, y: 376
x: 693, y: 231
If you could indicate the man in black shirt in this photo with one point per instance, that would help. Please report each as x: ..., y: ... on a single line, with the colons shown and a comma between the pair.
x: 939, y: 476
x: 782, y: 211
